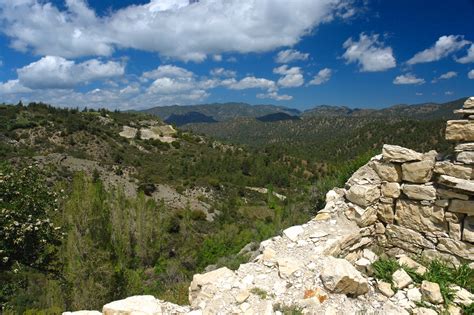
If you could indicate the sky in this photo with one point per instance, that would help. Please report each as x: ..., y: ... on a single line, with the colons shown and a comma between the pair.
x: 136, y: 54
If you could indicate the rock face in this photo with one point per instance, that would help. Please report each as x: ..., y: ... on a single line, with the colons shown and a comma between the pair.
x: 402, y: 202
x: 340, y: 276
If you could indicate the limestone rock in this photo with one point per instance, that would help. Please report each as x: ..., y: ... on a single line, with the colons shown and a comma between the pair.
x: 431, y: 292
x: 395, y: 153
x: 410, y: 263
x: 401, y: 279
x: 385, y: 213
x: 385, y: 288
x: 362, y: 216
x: 407, y: 239
x: 339, y: 276
x: 458, y: 248
x: 424, y: 311
x: 454, y: 310
x: 462, y: 206
x: 469, y: 146
x: 322, y: 217
x: 210, y: 278
x: 449, y: 194
x: 468, y: 231
x: 455, y: 221
x: 287, y: 266
x: 390, y: 190
x: 145, y: 304
x: 469, y: 103
x: 453, y: 182
x: 242, y: 296
x: 128, y: 132
x: 419, y: 192
x: 460, y: 130
x: 418, y: 172
x: 414, y: 295
x: 363, y: 195
x: 365, y: 175
x: 293, y: 232
x: 466, y: 157
x: 389, y: 308
x: 82, y: 313
x: 388, y: 171
x: 450, y: 169
x: 370, y: 255
x: 462, y: 296
x: 418, y: 217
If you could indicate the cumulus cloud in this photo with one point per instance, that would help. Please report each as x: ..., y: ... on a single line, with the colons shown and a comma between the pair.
x: 469, y: 57
x: 13, y: 87
x: 443, y: 47
x: 275, y: 96
x: 221, y: 72
x: 170, y: 71
x: 182, y: 29
x: 291, y: 55
x: 250, y: 83
x: 370, y: 53
x: 448, y: 75
x: 470, y: 74
x: 323, y: 76
x: 291, y: 77
x: 448, y: 93
x: 53, y: 72
x: 408, y: 78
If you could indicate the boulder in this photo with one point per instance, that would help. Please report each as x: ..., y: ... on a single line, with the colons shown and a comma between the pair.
x: 419, y: 192
x: 469, y: 146
x: 460, y: 130
x: 414, y: 295
x: 462, y: 206
x: 293, y: 232
x: 385, y: 213
x: 457, y: 183
x: 419, y: 217
x: 207, y: 279
x: 418, y: 172
x: 401, y: 279
x: 450, y: 169
x: 365, y: 175
x: 389, y: 172
x: 466, y: 157
x: 385, y: 288
x: 468, y: 231
x: 404, y: 260
x: 339, y: 276
x: 144, y: 304
x: 390, y: 190
x: 431, y: 292
x: 395, y: 153
x: 469, y: 103
x: 457, y: 248
x: 363, y: 195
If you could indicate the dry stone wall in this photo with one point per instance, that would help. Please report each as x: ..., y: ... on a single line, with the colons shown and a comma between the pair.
x: 402, y: 203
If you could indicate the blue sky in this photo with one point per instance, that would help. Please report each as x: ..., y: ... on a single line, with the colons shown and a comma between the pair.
x: 301, y: 53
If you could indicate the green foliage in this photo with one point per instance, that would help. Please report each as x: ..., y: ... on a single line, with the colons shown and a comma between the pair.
x: 259, y: 292
x: 384, y: 269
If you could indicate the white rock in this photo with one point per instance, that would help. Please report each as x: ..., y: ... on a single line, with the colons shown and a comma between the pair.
x: 419, y: 192
x: 242, y: 296
x: 431, y: 292
x: 293, y: 232
x: 401, y: 279
x: 468, y: 231
x: 143, y: 305
x: 404, y: 260
x: 339, y: 276
x: 395, y: 153
x: 462, y: 296
x: 287, y: 266
x: 385, y: 288
x: 363, y: 195
x: 414, y: 295
x: 370, y: 255
x: 82, y: 313
x: 424, y: 311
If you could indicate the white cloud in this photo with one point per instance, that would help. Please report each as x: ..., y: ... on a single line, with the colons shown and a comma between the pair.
x: 322, y: 77
x: 469, y: 57
x: 448, y: 75
x: 448, y: 93
x: 178, y: 29
x: 443, y: 47
x: 167, y: 71
x: 52, y: 72
x: 419, y: 94
x: 290, y: 55
x: 369, y: 53
x: 1, y: 62
x: 250, y: 83
x: 13, y: 87
x: 470, y: 74
x: 221, y: 72
x: 291, y: 77
x: 408, y: 79
x: 217, y: 58
x: 275, y: 96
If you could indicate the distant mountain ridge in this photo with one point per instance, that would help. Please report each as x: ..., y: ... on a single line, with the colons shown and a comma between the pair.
x: 221, y: 111
x: 277, y: 117
x: 188, y: 118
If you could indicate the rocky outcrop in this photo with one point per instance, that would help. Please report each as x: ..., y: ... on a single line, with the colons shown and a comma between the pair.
x: 402, y: 202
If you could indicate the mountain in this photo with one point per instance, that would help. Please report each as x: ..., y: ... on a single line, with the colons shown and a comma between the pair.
x: 418, y: 111
x: 277, y: 117
x: 221, y: 111
x: 189, y: 118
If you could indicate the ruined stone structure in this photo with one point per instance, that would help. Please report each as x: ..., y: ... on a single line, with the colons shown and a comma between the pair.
x: 402, y: 203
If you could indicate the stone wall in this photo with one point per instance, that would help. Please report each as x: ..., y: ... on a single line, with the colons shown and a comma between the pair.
x: 419, y: 203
